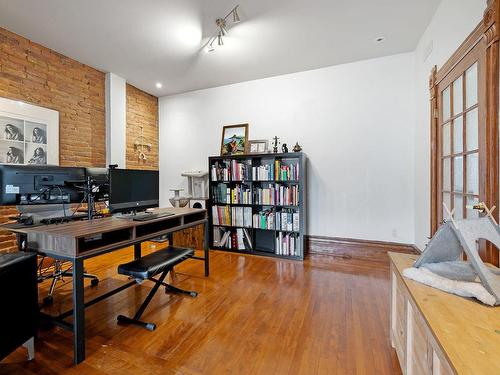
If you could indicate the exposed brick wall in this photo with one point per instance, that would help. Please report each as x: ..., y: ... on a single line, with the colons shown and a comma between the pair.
x: 142, y: 110
x: 34, y: 74
x: 38, y: 75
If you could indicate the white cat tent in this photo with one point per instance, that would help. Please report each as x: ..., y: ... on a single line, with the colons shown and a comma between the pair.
x: 441, y: 265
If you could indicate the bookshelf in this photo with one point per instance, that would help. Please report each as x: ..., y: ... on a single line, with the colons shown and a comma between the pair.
x: 257, y: 204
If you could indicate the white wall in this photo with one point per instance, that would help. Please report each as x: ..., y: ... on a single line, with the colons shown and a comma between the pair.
x: 453, y: 22
x: 354, y: 121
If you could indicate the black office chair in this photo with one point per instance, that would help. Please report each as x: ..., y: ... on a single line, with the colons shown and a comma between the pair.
x: 19, y: 294
x: 162, y: 261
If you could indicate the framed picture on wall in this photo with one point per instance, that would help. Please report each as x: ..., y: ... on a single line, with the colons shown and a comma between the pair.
x: 29, y: 134
x: 234, y: 140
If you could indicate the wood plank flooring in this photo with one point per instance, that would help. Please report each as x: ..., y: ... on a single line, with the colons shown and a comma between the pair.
x: 253, y: 315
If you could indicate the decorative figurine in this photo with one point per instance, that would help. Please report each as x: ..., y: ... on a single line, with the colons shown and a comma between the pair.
x: 275, y: 144
x: 284, y: 149
x: 297, y: 147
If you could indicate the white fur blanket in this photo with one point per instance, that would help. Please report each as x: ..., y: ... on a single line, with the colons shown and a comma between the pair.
x: 461, y: 288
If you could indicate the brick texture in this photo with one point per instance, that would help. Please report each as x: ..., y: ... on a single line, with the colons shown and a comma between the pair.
x: 142, y: 110
x: 35, y: 74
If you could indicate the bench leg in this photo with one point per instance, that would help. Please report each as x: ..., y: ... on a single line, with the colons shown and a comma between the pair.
x: 136, y: 319
x: 173, y: 289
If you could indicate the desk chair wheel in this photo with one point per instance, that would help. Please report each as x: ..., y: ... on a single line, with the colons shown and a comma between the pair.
x: 94, y: 282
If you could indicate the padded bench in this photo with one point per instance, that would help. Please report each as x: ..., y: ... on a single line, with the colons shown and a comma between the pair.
x: 144, y: 268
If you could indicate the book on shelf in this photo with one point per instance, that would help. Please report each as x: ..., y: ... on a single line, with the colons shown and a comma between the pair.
x: 264, y: 219
x: 265, y: 194
x: 288, y: 220
x: 287, y: 195
x: 243, y: 239
x: 221, y: 215
x: 220, y: 171
x: 241, y: 217
x: 286, y: 171
x: 240, y: 171
x: 241, y: 194
x: 221, y: 237
x: 287, y: 244
x: 221, y: 193
x: 263, y: 173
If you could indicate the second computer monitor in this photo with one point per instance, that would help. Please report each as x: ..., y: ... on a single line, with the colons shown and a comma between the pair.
x: 133, y: 190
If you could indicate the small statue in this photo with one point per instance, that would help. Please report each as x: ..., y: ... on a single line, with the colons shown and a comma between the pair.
x: 275, y: 144
x: 297, y: 147
x: 284, y: 148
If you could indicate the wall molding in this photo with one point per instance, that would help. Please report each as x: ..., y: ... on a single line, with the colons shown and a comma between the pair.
x: 354, y: 248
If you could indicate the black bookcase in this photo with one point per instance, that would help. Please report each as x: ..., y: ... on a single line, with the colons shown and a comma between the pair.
x: 257, y: 204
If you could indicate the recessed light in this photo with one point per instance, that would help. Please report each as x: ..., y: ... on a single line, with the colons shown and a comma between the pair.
x: 379, y: 39
x: 159, y: 85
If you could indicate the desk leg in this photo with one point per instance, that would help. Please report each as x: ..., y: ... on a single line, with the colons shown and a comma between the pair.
x: 137, y: 250
x: 205, y: 248
x: 78, y: 312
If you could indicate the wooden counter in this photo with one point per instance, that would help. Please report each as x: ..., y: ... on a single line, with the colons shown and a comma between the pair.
x: 434, y: 332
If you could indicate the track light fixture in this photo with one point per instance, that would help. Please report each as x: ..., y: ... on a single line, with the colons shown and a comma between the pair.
x: 222, y: 24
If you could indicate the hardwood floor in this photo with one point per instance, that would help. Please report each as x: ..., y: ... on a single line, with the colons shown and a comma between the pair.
x: 253, y: 315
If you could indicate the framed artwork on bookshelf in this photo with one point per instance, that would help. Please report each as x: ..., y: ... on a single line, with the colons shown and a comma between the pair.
x: 234, y: 140
x: 258, y: 146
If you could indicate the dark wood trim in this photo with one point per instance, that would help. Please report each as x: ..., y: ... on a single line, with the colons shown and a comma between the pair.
x: 351, y: 247
x: 433, y: 148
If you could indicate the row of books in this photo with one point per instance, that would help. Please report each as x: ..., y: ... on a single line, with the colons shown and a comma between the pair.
x: 221, y: 193
x: 241, y: 216
x: 221, y: 215
x: 286, y: 171
x: 287, y: 195
x: 239, y: 239
x: 263, y: 173
x: 287, y: 244
x: 265, y: 195
x: 240, y: 171
x: 220, y: 171
x: 241, y: 194
x: 264, y: 219
x: 287, y: 220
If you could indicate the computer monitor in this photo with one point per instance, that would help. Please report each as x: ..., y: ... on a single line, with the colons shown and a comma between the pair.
x: 133, y: 190
x: 26, y: 184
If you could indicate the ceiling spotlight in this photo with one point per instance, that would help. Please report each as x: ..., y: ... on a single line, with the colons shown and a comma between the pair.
x: 222, y: 28
x: 236, y: 17
x: 379, y: 39
x: 159, y: 85
x: 221, y: 23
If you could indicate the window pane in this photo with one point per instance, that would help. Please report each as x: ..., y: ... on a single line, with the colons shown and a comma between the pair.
x: 446, y: 104
x: 458, y: 135
x: 471, y: 86
x: 446, y: 139
x: 458, y: 173
x: 472, y: 174
x: 458, y: 96
x: 447, y: 174
x: 447, y: 202
x: 472, y: 138
x: 471, y: 213
x: 459, y: 207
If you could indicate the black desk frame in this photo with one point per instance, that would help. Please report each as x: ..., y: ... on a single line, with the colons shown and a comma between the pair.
x: 79, y: 304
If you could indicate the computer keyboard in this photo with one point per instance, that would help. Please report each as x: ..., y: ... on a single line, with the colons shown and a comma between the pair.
x: 147, y: 217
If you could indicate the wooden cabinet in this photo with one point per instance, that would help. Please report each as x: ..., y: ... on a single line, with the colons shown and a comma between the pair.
x: 436, y: 333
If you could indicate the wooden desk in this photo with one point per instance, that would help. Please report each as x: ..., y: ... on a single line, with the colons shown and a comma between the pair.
x: 435, y: 332
x: 80, y: 240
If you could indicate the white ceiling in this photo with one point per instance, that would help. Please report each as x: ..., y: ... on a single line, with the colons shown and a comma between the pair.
x: 149, y: 41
